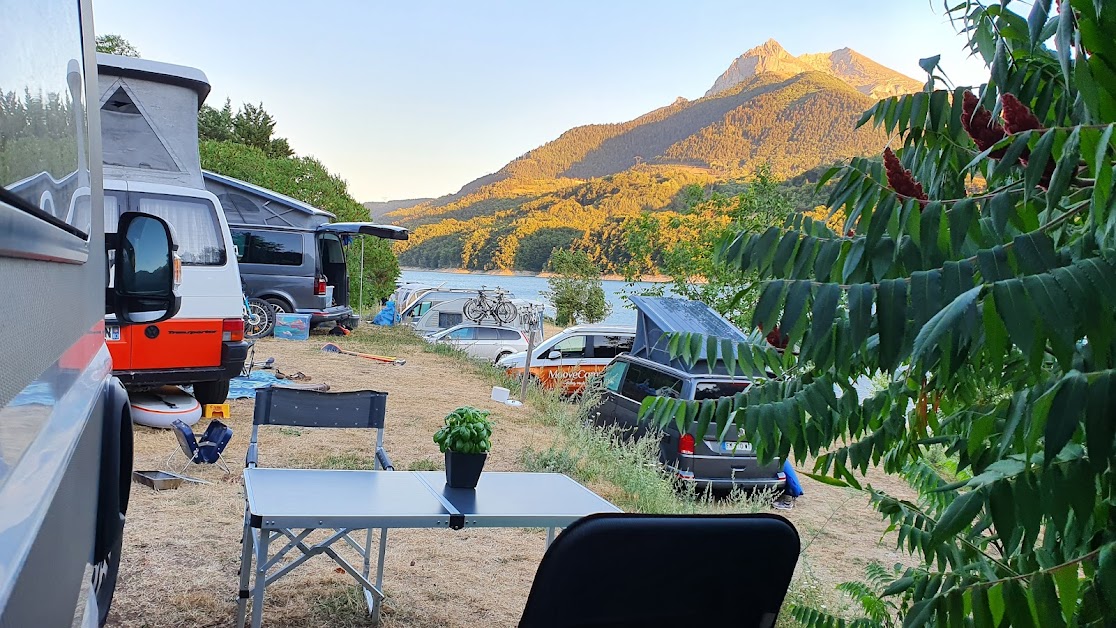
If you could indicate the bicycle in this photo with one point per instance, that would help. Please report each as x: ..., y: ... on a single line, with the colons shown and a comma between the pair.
x: 499, y: 308
x: 259, y: 317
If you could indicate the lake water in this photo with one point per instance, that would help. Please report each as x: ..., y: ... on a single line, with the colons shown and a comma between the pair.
x: 531, y: 287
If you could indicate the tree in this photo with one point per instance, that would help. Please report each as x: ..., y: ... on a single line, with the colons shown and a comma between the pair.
x: 575, y: 289
x: 216, y: 124
x: 116, y: 45
x: 990, y: 315
x: 254, y: 126
x: 681, y: 246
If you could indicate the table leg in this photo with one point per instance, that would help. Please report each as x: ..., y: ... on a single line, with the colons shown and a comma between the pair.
x: 549, y: 536
x: 261, y: 578
x: 245, y: 572
x: 380, y: 575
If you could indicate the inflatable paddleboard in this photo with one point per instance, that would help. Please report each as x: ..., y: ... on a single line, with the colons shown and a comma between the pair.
x: 163, y: 406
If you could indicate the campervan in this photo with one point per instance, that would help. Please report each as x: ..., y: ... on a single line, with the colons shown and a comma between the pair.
x: 65, y: 425
x: 446, y: 314
x: 151, y: 164
x: 289, y: 252
x: 418, y: 302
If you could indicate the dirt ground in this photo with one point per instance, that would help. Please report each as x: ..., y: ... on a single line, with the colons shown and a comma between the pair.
x: 182, y: 549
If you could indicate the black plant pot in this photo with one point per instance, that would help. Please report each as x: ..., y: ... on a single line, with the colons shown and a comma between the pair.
x: 463, y: 470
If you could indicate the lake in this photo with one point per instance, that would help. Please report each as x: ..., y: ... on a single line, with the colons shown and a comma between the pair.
x: 531, y: 287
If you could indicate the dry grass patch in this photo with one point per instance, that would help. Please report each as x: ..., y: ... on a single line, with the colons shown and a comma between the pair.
x: 182, y: 547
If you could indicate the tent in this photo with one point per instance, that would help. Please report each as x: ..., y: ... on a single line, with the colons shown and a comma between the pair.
x: 658, y: 316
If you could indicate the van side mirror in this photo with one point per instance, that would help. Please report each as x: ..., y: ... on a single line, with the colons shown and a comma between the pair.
x: 554, y: 355
x: 145, y: 270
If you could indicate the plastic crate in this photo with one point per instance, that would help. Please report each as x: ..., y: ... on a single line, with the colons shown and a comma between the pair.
x: 292, y: 326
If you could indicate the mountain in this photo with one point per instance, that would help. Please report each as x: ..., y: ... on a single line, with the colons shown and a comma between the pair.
x: 376, y: 209
x: 865, y: 75
x: 789, y: 114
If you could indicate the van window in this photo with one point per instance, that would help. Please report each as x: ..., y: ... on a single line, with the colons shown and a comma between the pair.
x: 240, y: 242
x: 716, y: 390
x: 572, y: 347
x: 274, y: 247
x: 614, y: 375
x: 449, y: 319
x: 332, y: 251
x: 200, y: 242
x: 642, y: 381
x: 487, y: 333
x: 611, y: 346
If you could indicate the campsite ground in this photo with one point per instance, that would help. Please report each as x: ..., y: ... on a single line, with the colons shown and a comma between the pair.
x: 182, y: 547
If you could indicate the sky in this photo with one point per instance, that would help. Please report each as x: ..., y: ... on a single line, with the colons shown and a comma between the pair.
x: 417, y: 98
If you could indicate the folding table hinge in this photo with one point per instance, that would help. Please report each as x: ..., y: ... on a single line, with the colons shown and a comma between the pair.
x: 457, y: 521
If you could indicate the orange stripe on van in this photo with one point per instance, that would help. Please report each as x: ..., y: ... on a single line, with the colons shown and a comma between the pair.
x: 177, y: 343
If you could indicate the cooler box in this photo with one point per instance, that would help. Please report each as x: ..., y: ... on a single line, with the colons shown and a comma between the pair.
x: 292, y: 326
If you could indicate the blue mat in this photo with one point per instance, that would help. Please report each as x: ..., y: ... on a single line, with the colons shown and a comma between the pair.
x: 245, y: 387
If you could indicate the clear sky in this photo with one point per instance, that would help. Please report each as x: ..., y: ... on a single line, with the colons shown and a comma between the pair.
x: 416, y: 98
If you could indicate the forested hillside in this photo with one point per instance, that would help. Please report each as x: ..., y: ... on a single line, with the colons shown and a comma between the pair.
x: 588, y: 187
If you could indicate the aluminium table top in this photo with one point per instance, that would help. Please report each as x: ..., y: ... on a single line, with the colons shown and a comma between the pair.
x: 360, y: 499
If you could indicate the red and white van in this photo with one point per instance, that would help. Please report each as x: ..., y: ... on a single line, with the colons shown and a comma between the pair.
x: 203, y: 344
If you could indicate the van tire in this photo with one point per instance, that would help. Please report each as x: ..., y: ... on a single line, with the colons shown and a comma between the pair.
x: 503, y: 354
x: 280, y: 305
x: 211, y: 392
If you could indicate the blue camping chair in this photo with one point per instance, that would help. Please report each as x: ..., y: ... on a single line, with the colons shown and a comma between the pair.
x: 206, y: 451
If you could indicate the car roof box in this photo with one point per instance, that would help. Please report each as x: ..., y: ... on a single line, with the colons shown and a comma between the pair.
x: 658, y: 316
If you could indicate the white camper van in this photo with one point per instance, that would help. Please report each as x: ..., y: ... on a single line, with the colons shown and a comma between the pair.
x: 149, y: 127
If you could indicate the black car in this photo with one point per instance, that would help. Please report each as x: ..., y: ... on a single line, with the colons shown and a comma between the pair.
x: 720, y: 465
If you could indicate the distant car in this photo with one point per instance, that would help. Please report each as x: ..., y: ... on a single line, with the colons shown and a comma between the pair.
x: 485, y: 342
x: 566, y: 360
x: 721, y: 465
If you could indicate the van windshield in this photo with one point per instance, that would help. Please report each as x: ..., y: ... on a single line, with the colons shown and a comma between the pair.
x: 194, y: 220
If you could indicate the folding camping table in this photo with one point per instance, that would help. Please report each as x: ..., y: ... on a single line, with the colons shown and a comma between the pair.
x: 287, y: 505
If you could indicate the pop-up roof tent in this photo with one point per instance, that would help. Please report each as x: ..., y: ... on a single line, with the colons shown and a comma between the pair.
x: 149, y: 120
x: 658, y: 316
x: 247, y: 204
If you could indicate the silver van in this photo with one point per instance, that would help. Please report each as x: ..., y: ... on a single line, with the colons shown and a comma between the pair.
x: 65, y: 423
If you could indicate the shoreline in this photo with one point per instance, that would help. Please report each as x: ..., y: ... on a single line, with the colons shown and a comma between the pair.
x: 525, y: 273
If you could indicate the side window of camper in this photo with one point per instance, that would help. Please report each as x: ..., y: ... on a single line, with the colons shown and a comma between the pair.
x: 572, y: 347
x: 200, y: 242
x: 614, y: 375
x: 274, y: 247
x: 611, y: 346
x: 641, y: 382
x: 44, y: 169
x: 448, y: 319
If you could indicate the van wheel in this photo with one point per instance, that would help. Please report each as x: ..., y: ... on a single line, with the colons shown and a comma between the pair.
x: 280, y: 305
x: 211, y: 392
x: 105, y: 574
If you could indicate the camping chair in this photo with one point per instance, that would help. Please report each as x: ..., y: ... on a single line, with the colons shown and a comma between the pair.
x: 622, y: 570
x: 206, y: 451
x: 290, y: 407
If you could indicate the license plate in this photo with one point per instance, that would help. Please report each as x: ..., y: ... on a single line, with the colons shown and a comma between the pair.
x: 741, y: 447
x: 112, y: 332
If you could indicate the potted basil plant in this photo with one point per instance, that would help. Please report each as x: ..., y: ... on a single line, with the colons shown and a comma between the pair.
x: 465, y: 439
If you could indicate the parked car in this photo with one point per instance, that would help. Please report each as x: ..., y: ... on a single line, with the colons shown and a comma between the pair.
x: 720, y: 464
x: 567, y: 359
x: 484, y: 342
x: 290, y: 255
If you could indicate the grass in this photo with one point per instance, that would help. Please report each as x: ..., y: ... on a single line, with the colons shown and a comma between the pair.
x: 424, y: 464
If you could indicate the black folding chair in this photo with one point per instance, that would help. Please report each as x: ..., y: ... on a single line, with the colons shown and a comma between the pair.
x: 291, y: 407
x: 621, y: 570
x: 310, y: 408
